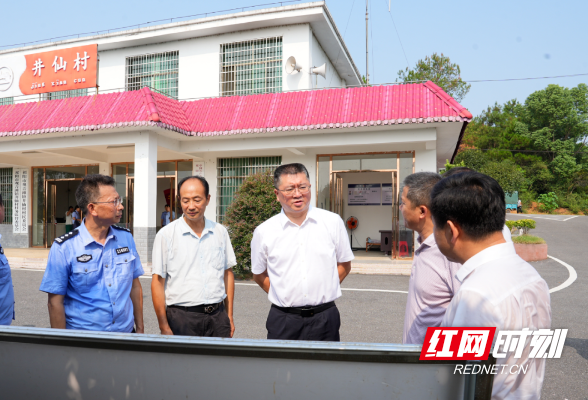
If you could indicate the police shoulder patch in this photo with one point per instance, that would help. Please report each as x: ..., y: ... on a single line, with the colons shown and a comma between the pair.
x: 67, y: 236
x: 120, y: 228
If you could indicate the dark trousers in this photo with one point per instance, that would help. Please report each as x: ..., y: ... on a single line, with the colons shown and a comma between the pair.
x: 323, y: 326
x: 186, y: 323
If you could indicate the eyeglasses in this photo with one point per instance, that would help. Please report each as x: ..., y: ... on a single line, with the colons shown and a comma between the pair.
x: 304, y: 189
x: 116, y: 202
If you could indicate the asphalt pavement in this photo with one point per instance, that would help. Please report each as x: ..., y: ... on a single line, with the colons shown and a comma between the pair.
x: 372, y: 306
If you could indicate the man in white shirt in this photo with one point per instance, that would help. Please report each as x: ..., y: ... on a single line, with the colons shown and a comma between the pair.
x: 432, y: 282
x: 68, y: 219
x: 300, y: 257
x: 498, y: 288
x: 192, y: 275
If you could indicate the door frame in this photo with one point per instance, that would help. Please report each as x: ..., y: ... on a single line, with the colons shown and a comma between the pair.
x: 336, y: 196
x: 46, y: 214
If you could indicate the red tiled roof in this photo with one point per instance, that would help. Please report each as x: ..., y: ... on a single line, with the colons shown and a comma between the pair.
x: 319, y: 109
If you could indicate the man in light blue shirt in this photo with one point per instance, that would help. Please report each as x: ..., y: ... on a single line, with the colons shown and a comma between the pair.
x: 6, y: 289
x: 92, y: 275
x: 165, y: 216
x: 192, y: 275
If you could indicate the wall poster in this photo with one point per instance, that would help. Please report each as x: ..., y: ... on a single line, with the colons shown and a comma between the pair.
x: 364, y: 194
x: 387, y: 194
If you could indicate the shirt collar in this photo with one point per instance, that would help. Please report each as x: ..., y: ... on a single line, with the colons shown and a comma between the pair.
x: 428, y: 242
x: 185, y: 228
x: 489, y: 254
x: 87, y: 238
x: 311, y: 214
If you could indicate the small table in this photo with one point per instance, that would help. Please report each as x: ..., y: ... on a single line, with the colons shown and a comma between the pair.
x: 386, y: 242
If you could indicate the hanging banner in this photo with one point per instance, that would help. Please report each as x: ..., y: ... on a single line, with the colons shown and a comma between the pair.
x: 386, y: 194
x: 364, y: 195
x: 20, y: 182
x: 16, y: 200
x: 50, y: 71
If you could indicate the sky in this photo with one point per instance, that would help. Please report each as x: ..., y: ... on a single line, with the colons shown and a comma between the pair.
x: 489, y: 40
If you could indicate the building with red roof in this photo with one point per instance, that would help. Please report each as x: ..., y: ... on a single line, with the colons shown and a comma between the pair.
x: 357, y: 142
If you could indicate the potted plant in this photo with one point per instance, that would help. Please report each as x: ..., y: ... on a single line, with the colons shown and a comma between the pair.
x: 528, y: 247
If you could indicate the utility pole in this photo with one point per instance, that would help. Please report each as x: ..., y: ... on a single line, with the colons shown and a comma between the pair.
x: 367, y: 65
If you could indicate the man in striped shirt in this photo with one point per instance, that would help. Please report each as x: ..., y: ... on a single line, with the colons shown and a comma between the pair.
x: 432, y: 280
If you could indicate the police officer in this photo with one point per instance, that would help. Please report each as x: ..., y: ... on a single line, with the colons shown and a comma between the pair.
x: 6, y: 289
x: 92, y: 275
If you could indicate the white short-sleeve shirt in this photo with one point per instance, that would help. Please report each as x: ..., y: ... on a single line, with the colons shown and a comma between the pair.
x: 193, y: 267
x: 500, y: 289
x: 301, y: 261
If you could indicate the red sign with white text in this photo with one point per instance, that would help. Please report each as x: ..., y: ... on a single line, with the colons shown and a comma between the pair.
x: 457, y: 343
x: 57, y: 70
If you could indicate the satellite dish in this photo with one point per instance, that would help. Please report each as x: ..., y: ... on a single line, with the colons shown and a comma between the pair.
x: 291, y: 65
x: 322, y: 71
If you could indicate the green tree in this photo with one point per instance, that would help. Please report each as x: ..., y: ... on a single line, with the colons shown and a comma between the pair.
x: 438, y: 69
x: 254, y: 203
x: 510, y: 176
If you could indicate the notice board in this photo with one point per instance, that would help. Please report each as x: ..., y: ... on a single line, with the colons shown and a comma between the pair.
x: 386, y: 194
x: 364, y: 194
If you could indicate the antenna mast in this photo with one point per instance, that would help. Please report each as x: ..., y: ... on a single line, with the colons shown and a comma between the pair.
x: 367, y: 68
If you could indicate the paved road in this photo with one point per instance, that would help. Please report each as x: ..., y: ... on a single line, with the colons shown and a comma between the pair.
x: 376, y: 316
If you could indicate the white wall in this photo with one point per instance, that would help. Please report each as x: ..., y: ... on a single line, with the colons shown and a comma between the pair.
x: 425, y: 160
x: 199, y: 60
x: 371, y: 219
x: 319, y: 58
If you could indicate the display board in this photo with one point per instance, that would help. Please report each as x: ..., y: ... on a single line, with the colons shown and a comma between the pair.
x: 364, y: 194
x: 387, y: 194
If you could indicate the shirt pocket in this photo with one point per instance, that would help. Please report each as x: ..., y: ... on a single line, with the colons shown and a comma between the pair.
x: 219, y: 258
x: 124, y: 266
x: 4, y: 269
x: 85, y: 276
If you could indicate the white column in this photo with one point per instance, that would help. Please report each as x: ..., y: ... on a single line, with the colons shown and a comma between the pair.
x: 104, y: 168
x: 145, y: 194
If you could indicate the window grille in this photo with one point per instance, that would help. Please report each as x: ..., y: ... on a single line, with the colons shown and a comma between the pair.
x: 157, y: 71
x: 5, y: 101
x: 251, y: 67
x: 64, y: 94
x: 231, y: 172
x: 6, y: 191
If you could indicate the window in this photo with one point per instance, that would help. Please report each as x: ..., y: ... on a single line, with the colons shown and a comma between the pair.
x: 6, y: 192
x: 5, y: 101
x: 157, y: 71
x: 64, y: 94
x: 231, y: 172
x: 251, y: 67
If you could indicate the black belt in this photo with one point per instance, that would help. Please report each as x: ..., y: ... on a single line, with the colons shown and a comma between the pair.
x: 204, y: 308
x: 306, y: 311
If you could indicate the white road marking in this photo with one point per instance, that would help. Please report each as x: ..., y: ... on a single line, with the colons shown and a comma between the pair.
x: 554, y: 218
x: 573, y: 275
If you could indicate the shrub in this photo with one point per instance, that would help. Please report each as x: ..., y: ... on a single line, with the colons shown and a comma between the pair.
x: 524, y: 224
x: 527, y: 239
x: 254, y: 203
x: 547, y: 202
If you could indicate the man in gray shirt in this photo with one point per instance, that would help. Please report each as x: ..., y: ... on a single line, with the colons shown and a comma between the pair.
x: 192, y: 275
x: 432, y: 282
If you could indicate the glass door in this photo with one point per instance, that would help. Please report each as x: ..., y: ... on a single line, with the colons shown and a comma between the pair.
x: 337, y: 193
x: 50, y: 212
x: 129, y: 206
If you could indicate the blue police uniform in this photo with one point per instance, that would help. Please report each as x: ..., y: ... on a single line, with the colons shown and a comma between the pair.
x: 6, y: 290
x: 96, y: 279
